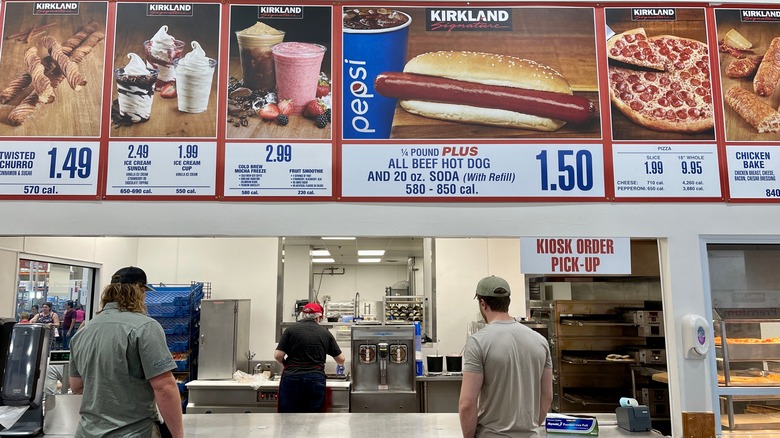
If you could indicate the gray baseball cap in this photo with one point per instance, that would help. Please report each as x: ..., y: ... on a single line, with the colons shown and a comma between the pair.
x: 491, y: 287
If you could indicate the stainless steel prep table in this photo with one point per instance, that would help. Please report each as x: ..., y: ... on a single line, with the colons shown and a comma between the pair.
x: 439, y: 394
x: 352, y: 426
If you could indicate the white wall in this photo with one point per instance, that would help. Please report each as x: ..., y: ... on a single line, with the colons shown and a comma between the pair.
x: 681, y: 225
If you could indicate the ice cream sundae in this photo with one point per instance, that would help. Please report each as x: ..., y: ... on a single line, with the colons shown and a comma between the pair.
x: 161, y: 51
x: 135, y: 86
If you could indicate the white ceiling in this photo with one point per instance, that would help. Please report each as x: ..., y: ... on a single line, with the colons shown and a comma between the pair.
x: 345, y: 252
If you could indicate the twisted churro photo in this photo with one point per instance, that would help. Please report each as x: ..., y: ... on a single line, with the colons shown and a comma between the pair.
x: 51, y: 71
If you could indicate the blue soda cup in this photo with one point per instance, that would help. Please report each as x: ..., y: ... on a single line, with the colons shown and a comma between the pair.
x: 367, y: 53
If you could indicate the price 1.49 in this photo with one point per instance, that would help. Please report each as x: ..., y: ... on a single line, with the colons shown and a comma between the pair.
x: 77, y: 163
x: 574, y: 170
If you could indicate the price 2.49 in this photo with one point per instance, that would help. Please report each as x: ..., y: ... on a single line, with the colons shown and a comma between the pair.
x: 77, y: 163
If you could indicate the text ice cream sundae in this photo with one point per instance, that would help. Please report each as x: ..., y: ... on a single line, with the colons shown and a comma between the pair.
x: 194, y: 73
x: 161, y: 51
x: 135, y: 86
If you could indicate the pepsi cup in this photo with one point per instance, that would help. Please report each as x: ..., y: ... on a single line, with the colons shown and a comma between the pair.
x: 374, y: 42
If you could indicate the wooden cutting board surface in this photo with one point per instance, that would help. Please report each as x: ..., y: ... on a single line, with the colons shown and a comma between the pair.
x: 72, y: 113
x: 761, y: 35
x: 562, y: 38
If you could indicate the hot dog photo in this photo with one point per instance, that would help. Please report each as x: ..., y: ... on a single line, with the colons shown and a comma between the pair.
x: 749, y: 60
x: 469, y: 73
x: 659, y: 74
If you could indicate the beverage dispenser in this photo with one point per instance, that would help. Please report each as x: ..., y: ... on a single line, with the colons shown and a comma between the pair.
x: 383, y: 369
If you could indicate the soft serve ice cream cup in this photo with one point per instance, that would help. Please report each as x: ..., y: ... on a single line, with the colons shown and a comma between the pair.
x: 161, y: 51
x: 194, y: 73
x: 135, y: 86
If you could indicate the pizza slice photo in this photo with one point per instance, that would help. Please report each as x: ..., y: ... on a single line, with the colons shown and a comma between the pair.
x: 661, y: 82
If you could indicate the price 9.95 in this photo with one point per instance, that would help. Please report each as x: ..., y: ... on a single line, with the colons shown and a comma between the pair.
x: 77, y: 163
x: 281, y: 153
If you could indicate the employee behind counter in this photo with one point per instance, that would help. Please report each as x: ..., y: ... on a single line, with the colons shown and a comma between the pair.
x: 302, y: 351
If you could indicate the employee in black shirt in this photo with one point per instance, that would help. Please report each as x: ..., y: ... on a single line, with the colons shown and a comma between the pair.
x: 302, y: 351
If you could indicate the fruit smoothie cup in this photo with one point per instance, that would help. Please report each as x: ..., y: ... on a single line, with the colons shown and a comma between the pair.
x: 161, y: 51
x: 257, y: 61
x: 193, y: 80
x: 135, y: 89
x: 297, y: 67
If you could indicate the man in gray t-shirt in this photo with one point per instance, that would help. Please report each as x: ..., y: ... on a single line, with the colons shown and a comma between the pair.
x: 507, y: 371
x: 121, y: 363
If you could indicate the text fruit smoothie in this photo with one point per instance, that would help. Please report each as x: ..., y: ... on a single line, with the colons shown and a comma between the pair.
x: 297, y: 72
x: 161, y: 51
x: 135, y: 86
x: 193, y: 80
x: 257, y: 61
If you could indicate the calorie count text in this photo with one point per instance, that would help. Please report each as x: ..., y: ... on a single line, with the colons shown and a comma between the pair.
x: 574, y: 171
x: 139, y: 160
x: 656, y: 165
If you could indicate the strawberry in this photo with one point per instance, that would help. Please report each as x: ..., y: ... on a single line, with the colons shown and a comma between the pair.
x: 285, y: 107
x: 323, y: 88
x: 314, y: 108
x: 268, y: 111
x: 168, y: 91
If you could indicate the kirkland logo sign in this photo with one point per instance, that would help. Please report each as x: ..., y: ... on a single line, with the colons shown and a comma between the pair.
x: 292, y: 12
x: 653, y: 14
x: 750, y: 15
x: 54, y: 8
x: 169, y: 9
x: 466, y: 19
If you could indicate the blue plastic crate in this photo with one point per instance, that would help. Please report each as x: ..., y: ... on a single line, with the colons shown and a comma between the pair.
x: 178, y: 343
x: 167, y: 311
x: 183, y: 363
x: 175, y: 326
x: 182, y: 296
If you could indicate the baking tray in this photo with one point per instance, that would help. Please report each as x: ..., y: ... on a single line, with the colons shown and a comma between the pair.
x: 757, y: 352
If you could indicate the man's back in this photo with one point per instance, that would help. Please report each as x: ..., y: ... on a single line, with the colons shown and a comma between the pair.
x: 511, y: 358
x: 307, y: 344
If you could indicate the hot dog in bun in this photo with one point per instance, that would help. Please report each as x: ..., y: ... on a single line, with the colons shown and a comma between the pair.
x: 485, y: 88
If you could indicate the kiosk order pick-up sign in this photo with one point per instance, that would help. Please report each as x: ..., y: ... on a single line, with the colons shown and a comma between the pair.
x: 575, y: 255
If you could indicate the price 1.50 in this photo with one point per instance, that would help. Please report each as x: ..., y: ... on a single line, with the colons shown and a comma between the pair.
x: 574, y: 171
x: 77, y: 163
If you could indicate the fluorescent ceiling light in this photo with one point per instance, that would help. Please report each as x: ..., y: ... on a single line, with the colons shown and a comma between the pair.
x: 319, y: 253
x: 370, y: 260
x: 330, y: 260
x: 371, y: 252
x: 338, y: 238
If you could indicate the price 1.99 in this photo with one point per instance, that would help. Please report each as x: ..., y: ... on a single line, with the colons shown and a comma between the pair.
x: 574, y: 171
x: 77, y: 163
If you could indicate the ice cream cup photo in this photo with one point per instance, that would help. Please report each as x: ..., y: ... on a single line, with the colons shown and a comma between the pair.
x: 297, y: 67
x: 160, y: 52
x: 257, y: 61
x: 373, y: 44
x: 194, y: 73
x: 135, y: 89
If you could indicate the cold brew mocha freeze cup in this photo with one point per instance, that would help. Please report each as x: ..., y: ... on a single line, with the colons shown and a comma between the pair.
x: 135, y: 87
x: 257, y: 61
x: 374, y: 42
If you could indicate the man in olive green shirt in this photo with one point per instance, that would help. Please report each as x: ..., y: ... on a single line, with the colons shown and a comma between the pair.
x: 121, y: 363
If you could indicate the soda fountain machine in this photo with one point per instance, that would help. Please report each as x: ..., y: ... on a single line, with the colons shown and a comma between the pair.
x: 383, y: 369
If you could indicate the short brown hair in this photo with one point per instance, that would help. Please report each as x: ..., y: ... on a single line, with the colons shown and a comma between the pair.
x: 128, y: 297
x: 497, y: 304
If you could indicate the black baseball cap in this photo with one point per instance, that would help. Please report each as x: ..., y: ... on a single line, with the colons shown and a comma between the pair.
x: 131, y: 275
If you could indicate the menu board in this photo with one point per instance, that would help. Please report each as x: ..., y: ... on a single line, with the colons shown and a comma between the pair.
x: 455, y: 102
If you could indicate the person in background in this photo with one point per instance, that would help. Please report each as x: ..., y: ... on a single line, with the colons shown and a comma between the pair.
x: 50, y: 318
x: 34, y: 310
x: 24, y: 318
x: 121, y: 364
x: 507, y: 371
x: 79, y: 316
x: 302, y: 351
x: 68, y: 321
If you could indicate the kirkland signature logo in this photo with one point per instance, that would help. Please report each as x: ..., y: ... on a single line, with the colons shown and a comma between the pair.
x: 169, y: 9
x: 293, y: 12
x: 748, y: 15
x: 467, y: 19
x: 653, y: 14
x: 56, y: 8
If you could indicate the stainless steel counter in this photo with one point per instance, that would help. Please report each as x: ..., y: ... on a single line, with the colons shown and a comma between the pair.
x: 352, y: 426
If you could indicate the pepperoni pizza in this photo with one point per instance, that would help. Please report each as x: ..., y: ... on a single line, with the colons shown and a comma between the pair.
x: 678, y: 99
x: 632, y: 47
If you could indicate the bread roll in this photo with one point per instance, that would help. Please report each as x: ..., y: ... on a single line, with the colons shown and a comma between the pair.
x: 490, y: 69
x: 768, y: 73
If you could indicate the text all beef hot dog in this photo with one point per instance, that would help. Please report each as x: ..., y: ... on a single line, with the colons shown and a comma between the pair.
x: 486, y: 89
